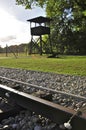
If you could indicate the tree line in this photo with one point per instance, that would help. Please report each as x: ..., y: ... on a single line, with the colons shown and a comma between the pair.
x: 15, y: 49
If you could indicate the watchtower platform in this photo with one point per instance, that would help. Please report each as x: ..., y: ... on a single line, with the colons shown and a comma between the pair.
x: 39, y: 26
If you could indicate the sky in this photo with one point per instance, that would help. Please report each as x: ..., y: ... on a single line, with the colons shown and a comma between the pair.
x: 14, y: 28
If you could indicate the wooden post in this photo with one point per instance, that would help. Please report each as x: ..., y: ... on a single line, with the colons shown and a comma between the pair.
x: 40, y: 45
x: 6, y: 50
x: 30, y: 47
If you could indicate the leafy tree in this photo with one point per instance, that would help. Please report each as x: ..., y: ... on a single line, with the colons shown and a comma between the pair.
x: 68, y: 28
x: 69, y: 25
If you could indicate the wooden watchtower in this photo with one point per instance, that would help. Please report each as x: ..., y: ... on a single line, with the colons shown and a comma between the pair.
x: 41, y: 27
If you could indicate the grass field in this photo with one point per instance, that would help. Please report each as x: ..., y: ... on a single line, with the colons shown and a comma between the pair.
x: 73, y: 65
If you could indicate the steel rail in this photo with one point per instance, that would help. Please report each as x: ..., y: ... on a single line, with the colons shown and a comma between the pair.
x: 45, y: 88
x: 55, y: 112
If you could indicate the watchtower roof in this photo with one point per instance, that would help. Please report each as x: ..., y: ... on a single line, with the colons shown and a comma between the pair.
x: 40, y: 19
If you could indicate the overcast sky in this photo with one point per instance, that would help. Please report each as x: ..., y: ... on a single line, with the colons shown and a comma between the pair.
x: 14, y: 28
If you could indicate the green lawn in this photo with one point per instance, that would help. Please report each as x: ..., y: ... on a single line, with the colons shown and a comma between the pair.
x: 74, y: 65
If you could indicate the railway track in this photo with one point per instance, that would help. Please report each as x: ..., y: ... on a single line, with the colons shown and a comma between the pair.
x: 39, y: 90
x: 57, y: 113
x: 44, y: 88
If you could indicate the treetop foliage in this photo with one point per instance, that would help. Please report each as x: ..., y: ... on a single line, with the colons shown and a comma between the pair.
x: 31, y: 3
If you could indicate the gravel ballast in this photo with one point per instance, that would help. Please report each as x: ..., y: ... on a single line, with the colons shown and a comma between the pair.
x: 67, y: 83
x: 72, y: 84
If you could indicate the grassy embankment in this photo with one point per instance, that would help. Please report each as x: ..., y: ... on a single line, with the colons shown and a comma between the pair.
x: 73, y: 65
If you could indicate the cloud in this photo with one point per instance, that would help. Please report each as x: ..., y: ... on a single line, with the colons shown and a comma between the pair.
x: 8, y: 38
x: 14, y: 28
x: 19, y: 11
